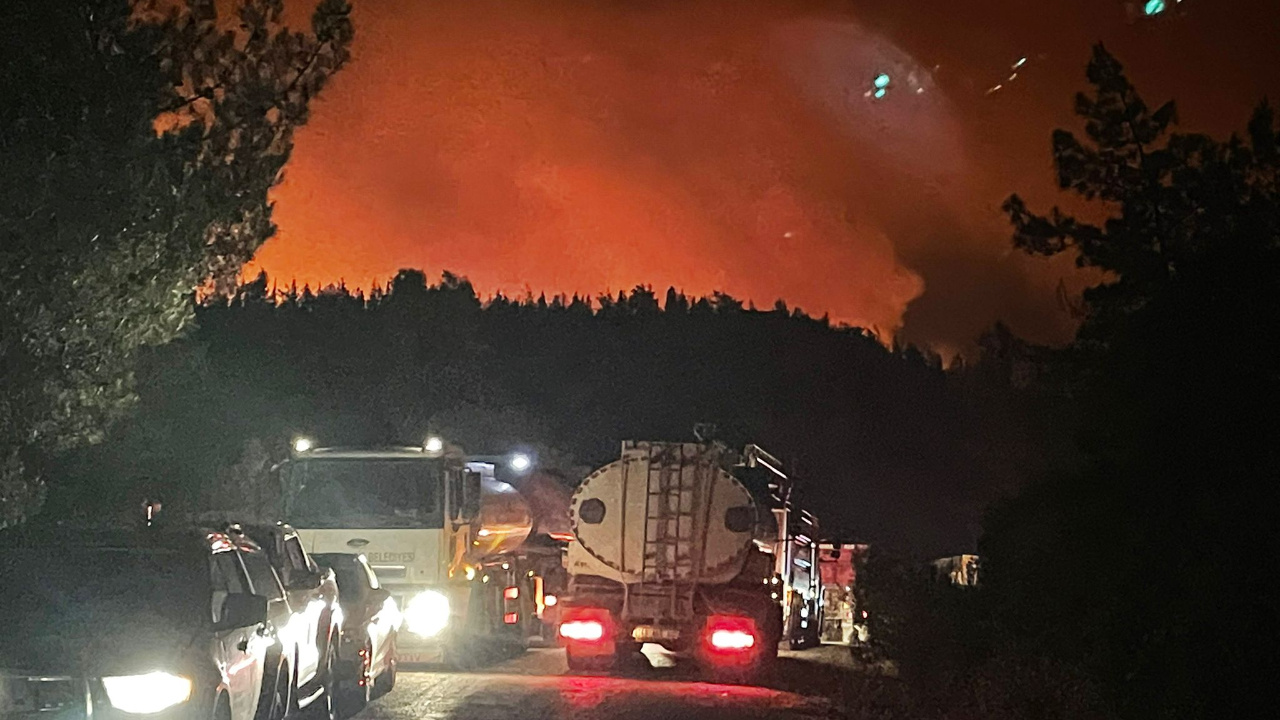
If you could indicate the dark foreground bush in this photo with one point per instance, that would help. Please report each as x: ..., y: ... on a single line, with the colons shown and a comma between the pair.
x: 947, y: 651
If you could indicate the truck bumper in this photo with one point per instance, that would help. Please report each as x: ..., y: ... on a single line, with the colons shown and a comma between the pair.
x: 411, y: 648
x: 409, y: 652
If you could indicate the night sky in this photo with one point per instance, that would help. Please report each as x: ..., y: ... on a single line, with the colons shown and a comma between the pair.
x: 734, y: 145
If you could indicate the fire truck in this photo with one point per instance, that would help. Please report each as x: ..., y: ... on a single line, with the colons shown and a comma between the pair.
x: 442, y: 531
x: 789, y: 537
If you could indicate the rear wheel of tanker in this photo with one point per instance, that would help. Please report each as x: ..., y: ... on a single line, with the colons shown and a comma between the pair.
x: 629, y: 656
x: 576, y: 664
x: 739, y: 671
x: 589, y: 663
x: 795, y: 642
x: 767, y: 659
x: 771, y: 633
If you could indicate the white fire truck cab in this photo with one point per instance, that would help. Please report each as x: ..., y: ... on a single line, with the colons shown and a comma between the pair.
x: 438, y: 530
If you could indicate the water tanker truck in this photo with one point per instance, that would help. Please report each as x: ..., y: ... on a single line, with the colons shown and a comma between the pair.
x: 670, y: 548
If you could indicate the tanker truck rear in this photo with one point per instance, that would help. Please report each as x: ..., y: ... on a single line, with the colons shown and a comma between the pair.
x: 665, y: 552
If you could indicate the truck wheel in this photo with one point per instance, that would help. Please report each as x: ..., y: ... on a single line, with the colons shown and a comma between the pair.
x: 628, y: 656
x: 592, y: 663
x: 795, y: 639
x: 767, y: 658
x: 576, y: 664
x: 770, y: 638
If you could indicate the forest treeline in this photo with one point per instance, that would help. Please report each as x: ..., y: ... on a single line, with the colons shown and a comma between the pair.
x: 886, y: 442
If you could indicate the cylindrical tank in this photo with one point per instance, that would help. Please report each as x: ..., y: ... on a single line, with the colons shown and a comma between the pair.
x: 505, y: 520
x: 663, y: 512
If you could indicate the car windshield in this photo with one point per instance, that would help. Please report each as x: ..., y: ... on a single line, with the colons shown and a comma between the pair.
x: 365, y: 493
x: 72, y: 591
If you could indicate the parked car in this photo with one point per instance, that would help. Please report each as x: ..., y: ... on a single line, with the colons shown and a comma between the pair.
x: 120, y: 623
x: 309, y: 617
x: 368, y: 649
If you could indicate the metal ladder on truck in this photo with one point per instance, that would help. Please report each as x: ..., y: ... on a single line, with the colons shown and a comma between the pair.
x: 672, y: 551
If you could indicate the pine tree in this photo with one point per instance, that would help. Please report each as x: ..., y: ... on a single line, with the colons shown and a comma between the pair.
x: 140, y: 142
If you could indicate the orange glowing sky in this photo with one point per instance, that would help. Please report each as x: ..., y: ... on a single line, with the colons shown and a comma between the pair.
x: 588, y: 146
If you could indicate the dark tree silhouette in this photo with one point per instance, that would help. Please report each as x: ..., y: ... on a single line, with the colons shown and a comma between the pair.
x: 1155, y: 565
x: 140, y: 140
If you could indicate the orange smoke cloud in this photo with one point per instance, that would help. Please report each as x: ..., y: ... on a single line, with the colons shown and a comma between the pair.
x: 573, y: 146
x: 578, y: 152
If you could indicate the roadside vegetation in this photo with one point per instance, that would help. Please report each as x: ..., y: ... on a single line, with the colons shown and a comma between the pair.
x: 140, y: 140
x: 1140, y: 582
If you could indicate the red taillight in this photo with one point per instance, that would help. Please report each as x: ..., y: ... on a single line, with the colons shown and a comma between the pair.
x: 582, y: 630
x: 511, y: 593
x: 730, y: 633
x: 587, y: 632
x: 511, y: 618
x: 732, y: 640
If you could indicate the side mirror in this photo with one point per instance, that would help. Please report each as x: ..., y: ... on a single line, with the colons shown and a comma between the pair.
x: 378, y: 596
x: 307, y: 581
x: 243, y: 610
x: 470, y: 495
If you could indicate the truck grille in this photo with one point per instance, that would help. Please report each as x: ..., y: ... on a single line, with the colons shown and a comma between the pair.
x: 45, y: 698
x: 389, y: 572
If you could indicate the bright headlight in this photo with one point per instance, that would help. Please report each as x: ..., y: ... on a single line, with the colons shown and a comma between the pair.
x: 427, y: 613
x: 146, y: 694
